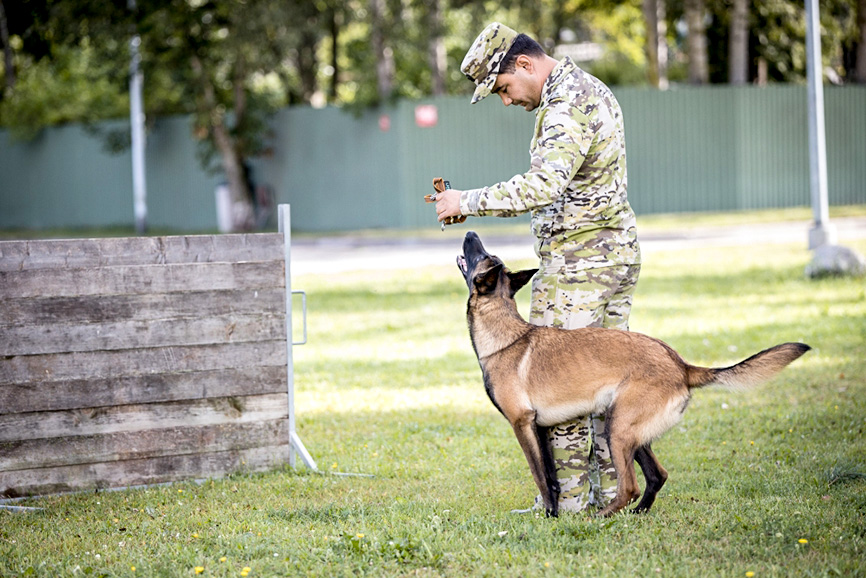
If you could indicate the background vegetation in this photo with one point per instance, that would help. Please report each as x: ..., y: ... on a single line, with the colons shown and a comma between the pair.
x: 770, y: 482
x: 231, y: 63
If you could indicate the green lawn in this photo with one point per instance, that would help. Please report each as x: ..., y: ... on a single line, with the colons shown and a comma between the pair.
x: 647, y: 223
x: 770, y: 482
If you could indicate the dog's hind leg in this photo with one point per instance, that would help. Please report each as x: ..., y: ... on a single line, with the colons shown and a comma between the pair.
x: 538, y: 454
x: 654, y: 474
x: 622, y: 454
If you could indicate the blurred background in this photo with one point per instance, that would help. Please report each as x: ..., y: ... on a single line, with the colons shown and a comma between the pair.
x: 347, y: 110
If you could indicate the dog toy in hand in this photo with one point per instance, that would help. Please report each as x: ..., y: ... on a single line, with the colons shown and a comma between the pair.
x: 439, y: 184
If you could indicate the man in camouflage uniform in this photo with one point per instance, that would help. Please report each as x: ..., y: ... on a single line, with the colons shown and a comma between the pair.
x: 586, y: 238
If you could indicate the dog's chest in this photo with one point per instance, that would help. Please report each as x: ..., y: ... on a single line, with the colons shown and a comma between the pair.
x: 551, y: 412
x: 488, y: 387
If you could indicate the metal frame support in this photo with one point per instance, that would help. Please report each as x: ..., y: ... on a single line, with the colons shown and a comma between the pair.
x: 136, y: 119
x: 823, y: 232
x: 295, y: 443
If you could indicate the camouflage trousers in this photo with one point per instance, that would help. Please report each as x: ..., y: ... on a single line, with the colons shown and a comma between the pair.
x: 599, y: 297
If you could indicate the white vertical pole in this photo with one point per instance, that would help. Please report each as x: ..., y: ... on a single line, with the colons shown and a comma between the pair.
x: 822, y: 232
x: 136, y: 120
x: 295, y: 443
x: 285, y: 227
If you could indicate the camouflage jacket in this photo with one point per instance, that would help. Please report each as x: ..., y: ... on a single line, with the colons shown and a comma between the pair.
x: 576, y: 184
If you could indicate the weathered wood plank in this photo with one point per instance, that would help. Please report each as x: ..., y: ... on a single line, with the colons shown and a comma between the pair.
x: 56, y: 338
x: 140, y: 360
x: 77, y: 394
x: 111, y: 252
x: 142, y: 417
x: 54, y: 452
x: 138, y: 472
x: 139, y: 279
x: 37, y: 369
x: 142, y: 307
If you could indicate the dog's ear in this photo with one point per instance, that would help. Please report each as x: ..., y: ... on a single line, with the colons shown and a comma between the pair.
x: 520, y: 278
x: 485, y: 281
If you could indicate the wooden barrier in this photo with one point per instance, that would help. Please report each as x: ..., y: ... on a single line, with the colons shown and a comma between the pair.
x: 136, y: 361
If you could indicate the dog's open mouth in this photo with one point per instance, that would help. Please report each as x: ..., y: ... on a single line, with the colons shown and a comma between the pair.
x: 461, y: 262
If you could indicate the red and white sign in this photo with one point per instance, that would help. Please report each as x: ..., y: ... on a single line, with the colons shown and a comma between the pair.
x: 384, y: 123
x: 426, y: 115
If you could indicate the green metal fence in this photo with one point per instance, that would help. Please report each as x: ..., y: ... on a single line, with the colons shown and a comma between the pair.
x: 689, y: 149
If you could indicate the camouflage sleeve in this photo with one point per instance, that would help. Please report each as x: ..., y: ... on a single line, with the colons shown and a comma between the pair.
x: 561, y: 143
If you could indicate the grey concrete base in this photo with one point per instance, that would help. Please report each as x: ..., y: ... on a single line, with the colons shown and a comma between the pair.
x: 835, y: 260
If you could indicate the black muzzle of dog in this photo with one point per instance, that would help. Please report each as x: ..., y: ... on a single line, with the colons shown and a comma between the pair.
x: 473, y: 254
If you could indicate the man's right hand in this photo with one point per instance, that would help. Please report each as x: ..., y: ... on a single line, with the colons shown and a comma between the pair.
x: 447, y: 204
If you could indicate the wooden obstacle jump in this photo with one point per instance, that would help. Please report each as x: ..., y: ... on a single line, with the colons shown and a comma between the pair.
x: 136, y: 361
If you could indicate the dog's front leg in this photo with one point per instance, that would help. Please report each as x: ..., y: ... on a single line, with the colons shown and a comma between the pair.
x: 542, y: 433
x: 538, y: 454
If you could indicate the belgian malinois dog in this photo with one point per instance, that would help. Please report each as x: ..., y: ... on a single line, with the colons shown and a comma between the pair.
x: 538, y: 377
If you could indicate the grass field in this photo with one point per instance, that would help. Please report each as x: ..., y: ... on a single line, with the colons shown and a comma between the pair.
x: 770, y: 482
x: 648, y: 223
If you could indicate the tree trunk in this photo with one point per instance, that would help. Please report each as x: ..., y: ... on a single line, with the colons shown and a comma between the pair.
x: 307, y: 63
x: 860, y: 62
x: 697, y: 42
x: 383, y: 53
x: 335, y: 32
x: 656, y: 43
x: 241, y: 204
x: 9, y: 65
x: 243, y: 214
x: 437, y: 55
x: 738, y: 43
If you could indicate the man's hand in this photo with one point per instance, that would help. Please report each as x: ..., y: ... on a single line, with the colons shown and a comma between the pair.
x: 447, y: 204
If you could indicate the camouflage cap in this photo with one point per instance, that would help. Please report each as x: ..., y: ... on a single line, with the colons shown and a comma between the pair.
x: 481, y: 63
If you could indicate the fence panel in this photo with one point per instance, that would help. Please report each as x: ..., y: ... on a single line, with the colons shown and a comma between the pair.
x: 137, y: 361
x: 689, y: 149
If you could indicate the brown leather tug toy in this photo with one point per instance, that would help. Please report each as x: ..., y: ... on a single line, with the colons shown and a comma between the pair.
x: 439, y: 184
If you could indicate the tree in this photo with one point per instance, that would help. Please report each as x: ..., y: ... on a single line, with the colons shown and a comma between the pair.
x: 437, y: 54
x: 860, y: 66
x: 223, y: 51
x: 8, y: 63
x: 697, y: 42
x: 383, y: 53
x: 214, y: 59
x: 334, y: 14
x: 656, y: 42
x: 738, y: 43
x: 228, y: 63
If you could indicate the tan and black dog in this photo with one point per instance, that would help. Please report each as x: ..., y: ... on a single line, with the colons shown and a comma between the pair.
x: 541, y: 376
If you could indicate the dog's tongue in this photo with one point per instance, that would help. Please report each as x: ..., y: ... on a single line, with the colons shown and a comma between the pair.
x: 461, y: 262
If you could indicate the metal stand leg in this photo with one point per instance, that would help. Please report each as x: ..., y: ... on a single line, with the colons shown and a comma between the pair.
x: 295, y: 443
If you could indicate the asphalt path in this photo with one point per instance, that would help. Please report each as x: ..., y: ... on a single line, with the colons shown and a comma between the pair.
x: 348, y: 253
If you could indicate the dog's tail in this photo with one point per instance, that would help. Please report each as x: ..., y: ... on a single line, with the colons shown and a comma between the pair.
x: 754, y: 370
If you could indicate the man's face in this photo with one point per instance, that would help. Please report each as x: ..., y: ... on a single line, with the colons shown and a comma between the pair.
x: 518, y: 88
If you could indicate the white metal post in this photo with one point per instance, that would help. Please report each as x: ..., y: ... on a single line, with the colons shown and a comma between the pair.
x: 136, y: 121
x: 295, y: 443
x: 822, y: 232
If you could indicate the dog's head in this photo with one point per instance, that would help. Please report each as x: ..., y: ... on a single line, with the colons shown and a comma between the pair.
x: 486, y: 274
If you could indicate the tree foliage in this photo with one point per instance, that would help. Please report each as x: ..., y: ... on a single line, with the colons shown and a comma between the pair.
x: 230, y: 63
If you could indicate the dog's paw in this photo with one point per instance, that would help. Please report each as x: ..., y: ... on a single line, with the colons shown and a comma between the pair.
x: 608, y: 511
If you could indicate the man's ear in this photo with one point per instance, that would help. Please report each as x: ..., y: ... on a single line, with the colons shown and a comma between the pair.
x: 520, y: 278
x: 524, y: 61
x: 485, y: 281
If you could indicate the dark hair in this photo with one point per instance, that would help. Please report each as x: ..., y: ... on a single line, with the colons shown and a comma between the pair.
x: 523, y: 44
